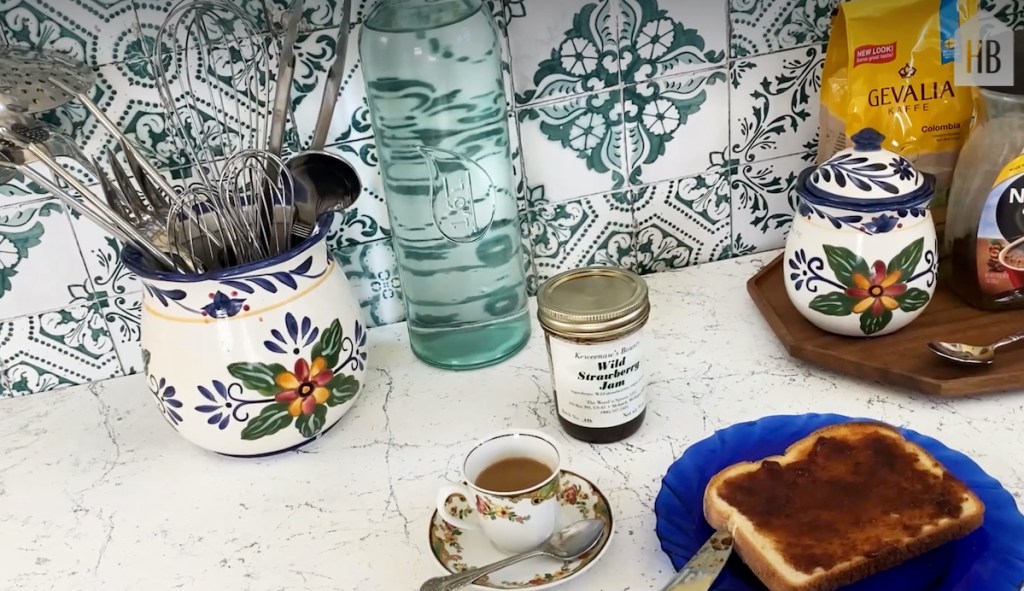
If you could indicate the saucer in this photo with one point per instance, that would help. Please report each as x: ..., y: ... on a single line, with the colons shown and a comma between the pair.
x: 457, y: 550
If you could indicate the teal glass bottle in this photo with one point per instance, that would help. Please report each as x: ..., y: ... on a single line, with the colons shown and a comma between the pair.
x: 432, y: 70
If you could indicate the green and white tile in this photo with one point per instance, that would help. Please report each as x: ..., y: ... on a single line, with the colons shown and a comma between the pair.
x: 765, y: 26
x: 574, y: 147
x: 123, y: 314
x: 763, y: 199
x: 594, y: 230
x: 5, y: 386
x: 564, y: 48
x: 682, y: 222
x: 664, y: 116
x: 96, y: 32
x: 666, y: 37
x: 1010, y: 12
x: 774, y: 103
x: 55, y: 349
x: 108, y: 277
x: 372, y: 272
x: 15, y: 188
x: 39, y: 259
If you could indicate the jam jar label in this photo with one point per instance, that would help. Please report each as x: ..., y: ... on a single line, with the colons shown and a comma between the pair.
x: 599, y: 385
x: 1000, y: 248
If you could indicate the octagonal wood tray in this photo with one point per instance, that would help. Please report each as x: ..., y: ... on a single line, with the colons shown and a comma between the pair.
x: 901, y: 358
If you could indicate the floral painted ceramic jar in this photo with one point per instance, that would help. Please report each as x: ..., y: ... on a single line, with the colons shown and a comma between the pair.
x: 255, y: 359
x: 861, y: 257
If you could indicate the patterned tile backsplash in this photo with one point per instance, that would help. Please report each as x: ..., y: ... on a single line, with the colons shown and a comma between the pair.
x: 650, y: 134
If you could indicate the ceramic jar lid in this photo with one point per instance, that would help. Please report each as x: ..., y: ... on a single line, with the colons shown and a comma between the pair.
x: 867, y: 174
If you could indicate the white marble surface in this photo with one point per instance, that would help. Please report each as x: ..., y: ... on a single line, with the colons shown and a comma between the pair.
x: 97, y: 492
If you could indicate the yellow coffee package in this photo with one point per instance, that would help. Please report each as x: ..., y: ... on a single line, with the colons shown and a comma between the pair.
x: 889, y: 66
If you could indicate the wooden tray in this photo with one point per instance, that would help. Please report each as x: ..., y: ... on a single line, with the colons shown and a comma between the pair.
x: 901, y: 358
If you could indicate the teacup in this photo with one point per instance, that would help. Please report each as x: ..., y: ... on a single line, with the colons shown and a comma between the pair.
x: 1012, y: 259
x: 511, y: 479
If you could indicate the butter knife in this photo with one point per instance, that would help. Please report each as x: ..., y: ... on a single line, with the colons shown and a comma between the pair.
x: 704, y: 567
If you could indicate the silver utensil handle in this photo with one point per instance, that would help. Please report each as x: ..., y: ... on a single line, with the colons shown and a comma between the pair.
x: 1009, y: 340
x: 97, y: 210
x: 285, y: 73
x: 329, y: 100
x: 154, y: 176
x: 460, y: 580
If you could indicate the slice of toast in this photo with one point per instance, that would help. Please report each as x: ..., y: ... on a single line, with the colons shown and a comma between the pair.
x: 841, y: 504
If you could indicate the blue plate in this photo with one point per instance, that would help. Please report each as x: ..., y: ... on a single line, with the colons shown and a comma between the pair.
x: 989, y: 559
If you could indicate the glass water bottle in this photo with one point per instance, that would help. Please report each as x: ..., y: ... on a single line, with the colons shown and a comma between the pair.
x: 433, y: 81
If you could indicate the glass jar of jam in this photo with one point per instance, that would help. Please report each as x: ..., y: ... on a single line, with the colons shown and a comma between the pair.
x: 593, y: 320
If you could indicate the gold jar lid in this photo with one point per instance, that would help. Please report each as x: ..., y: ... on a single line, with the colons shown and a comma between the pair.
x: 595, y: 302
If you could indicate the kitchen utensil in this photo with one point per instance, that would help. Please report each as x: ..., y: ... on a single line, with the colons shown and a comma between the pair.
x: 972, y: 354
x: 211, y: 341
x: 285, y: 73
x: 87, y: 203
x: 329, y: 99
x: 990, y: 558
x: 215, y: 81
x: 567, y: 543
x: 862, y: 249
x: 156, y: 198
x: 325, y: 182
x: 701, y: 571
x: 23, y: 68
x: 256, y: 207
x: 135, y: 204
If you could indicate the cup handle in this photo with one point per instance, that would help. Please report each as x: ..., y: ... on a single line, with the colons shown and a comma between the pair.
x: 448, y: 492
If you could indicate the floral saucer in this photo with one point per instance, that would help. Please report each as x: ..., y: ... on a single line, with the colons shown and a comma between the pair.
x: 457, y: 550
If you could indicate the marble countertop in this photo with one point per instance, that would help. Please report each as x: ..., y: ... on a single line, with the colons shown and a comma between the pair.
x: 97, y: 492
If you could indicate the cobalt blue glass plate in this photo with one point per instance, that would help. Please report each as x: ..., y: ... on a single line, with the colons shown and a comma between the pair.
x: 989, y: 559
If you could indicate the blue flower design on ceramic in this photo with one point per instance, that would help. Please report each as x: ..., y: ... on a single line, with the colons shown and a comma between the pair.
x: 224, y: 306
x: 166, y: 399
x: 806, y: 272
x: 226, y: 403
x: 902, y: 168
x: 858, y: 171
x: 879, y: 224
x: 299, y: 335
x: 227, y: 303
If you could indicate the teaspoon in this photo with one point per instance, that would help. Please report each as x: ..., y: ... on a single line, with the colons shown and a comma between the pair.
x: 565, y: 544
x: 972, y: 354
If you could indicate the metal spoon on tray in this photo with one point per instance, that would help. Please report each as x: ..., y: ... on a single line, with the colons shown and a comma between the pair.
x: 324, y: 182
x: 568, y: 543
x: 972, y: 354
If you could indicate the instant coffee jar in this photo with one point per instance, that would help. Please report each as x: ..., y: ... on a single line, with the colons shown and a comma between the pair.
x: 593, y: 320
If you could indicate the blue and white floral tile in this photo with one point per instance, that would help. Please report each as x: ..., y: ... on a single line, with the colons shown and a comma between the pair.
x: 763, y: 200
x: 765, y: 26
x: 39, y: 260
x: 101, y: 252
x: 366, y: 220
x: 774, y: 103
x: 682, y: 222
x: 665, y: 117
x: 573, y: 147
x: 563, y: 48
x: 55, y: 349
x: 594, y: 230
x: 123, y: 314
x: 1010, y: 12
x: 667, y: 37
x: 97, y: 32
x: 372, y: 272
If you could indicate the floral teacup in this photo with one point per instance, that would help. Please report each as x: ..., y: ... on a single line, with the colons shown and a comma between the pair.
x: 513, y: 521
x: 255, y: 359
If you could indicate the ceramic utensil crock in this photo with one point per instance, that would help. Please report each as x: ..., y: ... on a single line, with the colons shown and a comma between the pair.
x: 254, y: 359
x: 861, y: 256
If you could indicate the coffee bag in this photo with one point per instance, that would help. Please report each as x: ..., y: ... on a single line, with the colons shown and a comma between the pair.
x: 889, y: 65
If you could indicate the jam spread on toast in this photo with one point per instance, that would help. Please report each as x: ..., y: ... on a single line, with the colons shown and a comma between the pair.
x: 849, y: 497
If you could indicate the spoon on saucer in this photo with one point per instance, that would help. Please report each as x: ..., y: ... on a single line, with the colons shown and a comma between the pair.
x: 565, y: 544
x: 972, y: 354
